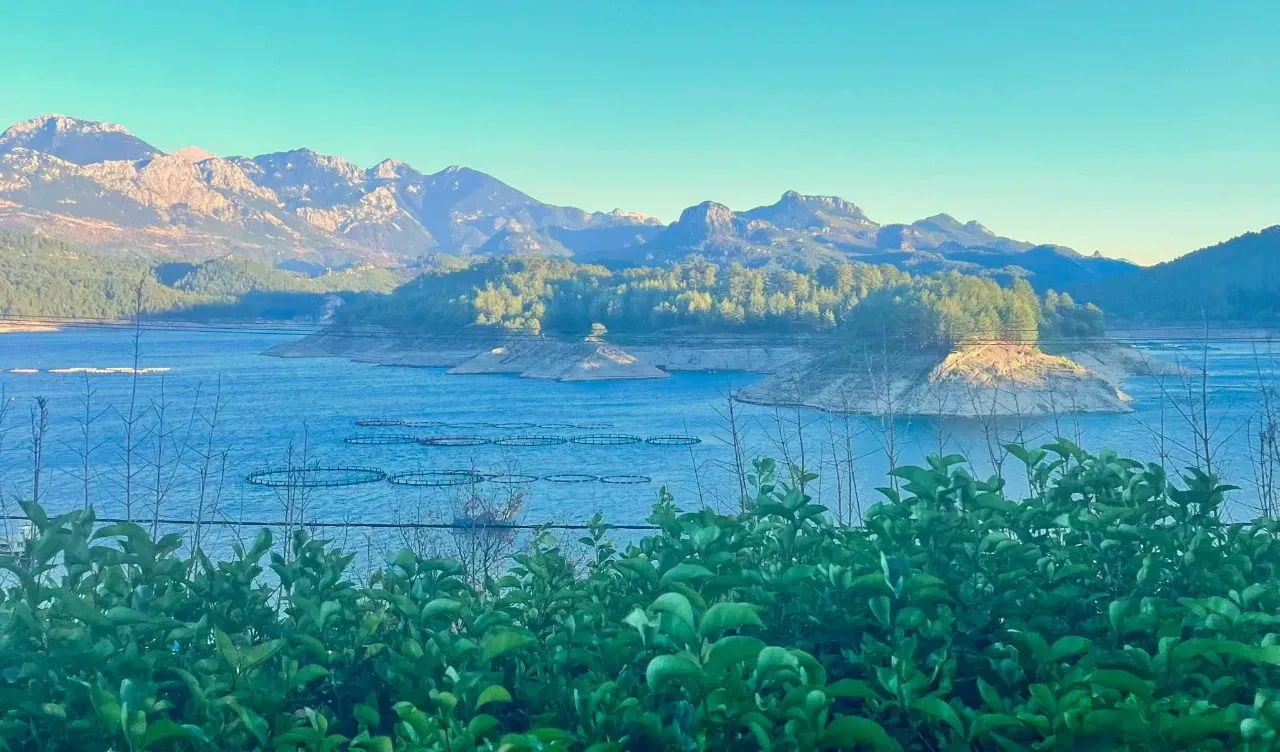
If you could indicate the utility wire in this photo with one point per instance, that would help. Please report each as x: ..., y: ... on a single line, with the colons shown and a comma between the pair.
x: 1163, y: 333
x: 374, y: 525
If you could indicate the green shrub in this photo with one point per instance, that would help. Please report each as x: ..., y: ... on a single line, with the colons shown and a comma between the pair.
x: 1110, y: 610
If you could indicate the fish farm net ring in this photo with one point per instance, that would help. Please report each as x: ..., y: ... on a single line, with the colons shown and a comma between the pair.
x: 382, y: 439
x: 572, y: 478
x: 453, y: 441
x: 436, y: 478
x: 673, y: 440
x: 626, y: 480
x: 379, y: 423
x: 420, y: 423
x: 530, y: 441
x: 315, y: 477
x: 511, y: 479
x: 606, y: 439
x: 514, y: 426
x: 593, y: 426
x: 557, y: 426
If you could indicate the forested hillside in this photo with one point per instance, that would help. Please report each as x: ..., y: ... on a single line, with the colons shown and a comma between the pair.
x: 539, y: 295
x: 1238, y: 280
x: 43, y: 277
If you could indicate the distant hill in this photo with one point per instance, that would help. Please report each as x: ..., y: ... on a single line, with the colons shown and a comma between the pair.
x: 43, y: 277
x: 1237, y: 280
x: 100, y: 186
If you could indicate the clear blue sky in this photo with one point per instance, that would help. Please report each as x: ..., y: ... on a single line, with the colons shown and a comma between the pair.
x: 1142, y: 129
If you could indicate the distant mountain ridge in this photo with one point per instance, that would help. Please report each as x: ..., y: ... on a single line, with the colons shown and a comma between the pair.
x: 799, y: 229
x: 1236, y: 280
x: 99, y: 185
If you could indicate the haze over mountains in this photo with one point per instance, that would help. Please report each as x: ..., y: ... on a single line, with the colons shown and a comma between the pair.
x: 97, y: 184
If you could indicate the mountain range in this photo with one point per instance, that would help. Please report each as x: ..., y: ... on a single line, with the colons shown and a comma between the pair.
x: 99, y: 185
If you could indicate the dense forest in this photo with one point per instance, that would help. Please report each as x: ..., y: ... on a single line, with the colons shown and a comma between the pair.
x: 43, y: 277
x: 1237, y: 280
x: 539, y: 295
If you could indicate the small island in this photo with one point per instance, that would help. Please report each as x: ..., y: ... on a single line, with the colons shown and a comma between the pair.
x: 844, y: 337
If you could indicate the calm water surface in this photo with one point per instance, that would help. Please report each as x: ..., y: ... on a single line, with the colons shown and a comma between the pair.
x: 273, y: 403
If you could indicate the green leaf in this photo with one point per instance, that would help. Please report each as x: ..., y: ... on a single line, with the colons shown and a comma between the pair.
x: 1122, y: 681
x: 725, y: 616
x: 988, y: 722
x: 376, y: 744
x: 481, y: 725
x: 683, y: 573
x: 880, y: 605
x: 675, y: 604
x: 406, y: 560
x: 226, y: 648
x: 309, y: 673
x: 847, y: 732
x: 732, y: 650
x: 1066, y: 647
x: 851, y: 688
x: 672, y: 668
x: 936, y: 707
x: 367, y: 715
x: 441, y: 607
x: 164, y: 729
x: 493, y: 693
x: 497, y: 644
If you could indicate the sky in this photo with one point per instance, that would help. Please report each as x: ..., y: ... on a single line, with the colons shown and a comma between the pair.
x: 1139, y: 129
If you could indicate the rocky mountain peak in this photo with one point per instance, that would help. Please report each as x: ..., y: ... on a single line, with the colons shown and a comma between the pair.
x: 74, y: 140
x: 634, y: 218
x: 54, y: 123
x: 193, y: 154
x: 796, y: 211
x: 392, y: 169
x: 710, y: 216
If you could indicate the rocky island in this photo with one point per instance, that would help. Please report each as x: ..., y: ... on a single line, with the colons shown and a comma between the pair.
x: 969, y: 381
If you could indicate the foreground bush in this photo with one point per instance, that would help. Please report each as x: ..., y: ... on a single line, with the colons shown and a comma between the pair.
x: 1112, y: 610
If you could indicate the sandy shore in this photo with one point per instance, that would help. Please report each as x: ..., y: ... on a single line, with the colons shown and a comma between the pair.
x: 13, y: 327
x: 978, y: 381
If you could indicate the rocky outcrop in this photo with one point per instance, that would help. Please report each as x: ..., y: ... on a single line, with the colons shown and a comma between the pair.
x: 981, y: 381
x: 971, y: 382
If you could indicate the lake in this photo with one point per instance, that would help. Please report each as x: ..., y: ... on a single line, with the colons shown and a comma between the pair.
x: 313, y: 405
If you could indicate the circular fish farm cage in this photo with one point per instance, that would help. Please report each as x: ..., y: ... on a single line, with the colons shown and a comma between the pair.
x: 530, y: 441
x: 315, y: 477
x: 626, y: 480
x: 557, y: 426
x: 606, y: 439
x: 436, y: 478
x: 572, y: 478
x: 454, y: 441
x: 421, y: 423
x: 382, y: 439
x: 510, y: 479
x: 379, y: 423
x: 514, y: 426
x: 676, y: 441
x: 593, y: 426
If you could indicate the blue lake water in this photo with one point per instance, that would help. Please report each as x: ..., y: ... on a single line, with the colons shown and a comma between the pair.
x: 272, y: 403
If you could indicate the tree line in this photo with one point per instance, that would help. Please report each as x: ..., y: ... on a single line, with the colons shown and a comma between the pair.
x: 554, y: 296
x: 45, y: 277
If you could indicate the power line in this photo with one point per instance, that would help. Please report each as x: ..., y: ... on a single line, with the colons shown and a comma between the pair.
x: 425, y: 335
x: 372, y: 525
